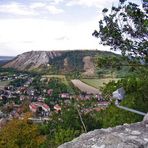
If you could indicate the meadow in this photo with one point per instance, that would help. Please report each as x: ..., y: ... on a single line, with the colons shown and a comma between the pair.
x: 98, y: 83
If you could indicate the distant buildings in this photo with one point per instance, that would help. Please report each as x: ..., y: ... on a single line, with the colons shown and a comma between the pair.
x: 49, y: 92
x: 64, y: 95
x: 57, y: 108
x: 40, y: 108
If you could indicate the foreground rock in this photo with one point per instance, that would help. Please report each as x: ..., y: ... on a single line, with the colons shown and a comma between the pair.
x: 126, y: 136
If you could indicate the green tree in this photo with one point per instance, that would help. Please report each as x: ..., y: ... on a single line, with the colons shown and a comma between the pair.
x: 136, y: 98
x: 125, y: 28
x: 65, y: 135
x: 20, y: 134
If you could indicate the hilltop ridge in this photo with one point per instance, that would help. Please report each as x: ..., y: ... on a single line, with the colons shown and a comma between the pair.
x: 31, y: 60
x: 63, y: 61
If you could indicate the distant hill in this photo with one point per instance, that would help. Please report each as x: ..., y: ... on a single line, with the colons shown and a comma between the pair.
x: 31, y: 60
x: 5, y: 59
x: 58, y: 61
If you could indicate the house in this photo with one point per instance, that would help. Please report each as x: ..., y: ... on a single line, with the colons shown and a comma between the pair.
x: 98, y: 97
x: 40, y: 99
x: 33, y: 107
x: 64, y: 95
x: 22, y: 98
x: 49, y: 92
x: 85, y: 96
x: 57, y: 108
x: 30, y: 92
x: 23, y: 89
x: 39, y: 107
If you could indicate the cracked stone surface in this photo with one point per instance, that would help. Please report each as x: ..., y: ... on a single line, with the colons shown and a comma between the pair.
x: 126, y: 136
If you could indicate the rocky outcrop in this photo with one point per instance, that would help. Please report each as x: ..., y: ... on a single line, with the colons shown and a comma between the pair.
x: 125, y: 136
x: 32, y: 60
x: 89, y: 67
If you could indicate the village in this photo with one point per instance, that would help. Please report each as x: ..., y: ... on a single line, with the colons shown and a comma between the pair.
x: 40, y: 97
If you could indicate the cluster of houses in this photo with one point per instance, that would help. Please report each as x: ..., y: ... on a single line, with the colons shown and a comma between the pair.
x: 9, y: 94
x: 12, y: 97
x: 6, y: 77
x: 40, y: 108
x: 43, y: 109
x: 101, y: 105
x: 36, y: 98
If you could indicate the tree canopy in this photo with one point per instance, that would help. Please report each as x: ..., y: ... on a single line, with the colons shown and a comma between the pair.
x: 125, y: 28
x: 21, y: 134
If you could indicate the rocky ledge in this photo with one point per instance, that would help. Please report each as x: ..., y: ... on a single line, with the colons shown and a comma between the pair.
x: 125, y: 136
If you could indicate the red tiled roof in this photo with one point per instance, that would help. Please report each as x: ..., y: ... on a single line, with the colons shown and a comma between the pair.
x: 45, y: 106
x: 35, y: 105
x: 57, y: 107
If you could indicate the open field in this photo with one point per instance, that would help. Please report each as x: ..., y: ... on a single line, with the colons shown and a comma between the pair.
x: 3, y: 84
x: 84, y: 87
x: 62, y: 77
x: 98, y: 83
x: 63, y: 80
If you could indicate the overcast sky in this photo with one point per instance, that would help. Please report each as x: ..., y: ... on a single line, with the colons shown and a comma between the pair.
x: 49, y: 24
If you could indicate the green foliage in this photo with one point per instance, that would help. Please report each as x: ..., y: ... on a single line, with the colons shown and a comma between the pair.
x: 125, y: 28
x: 18, y: 82
x: 114, y: 116
x: 57, y: 86
x: 91, y: 121
x: 136, y: 98
x: 64, y: 135
x: 10, y: 70
x: 66, y: 126
x: 115, y: 66
x: 20, y: 134
x: 75, y: 61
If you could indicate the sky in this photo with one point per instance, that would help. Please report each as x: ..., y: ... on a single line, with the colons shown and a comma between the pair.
x: 27, y: 25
